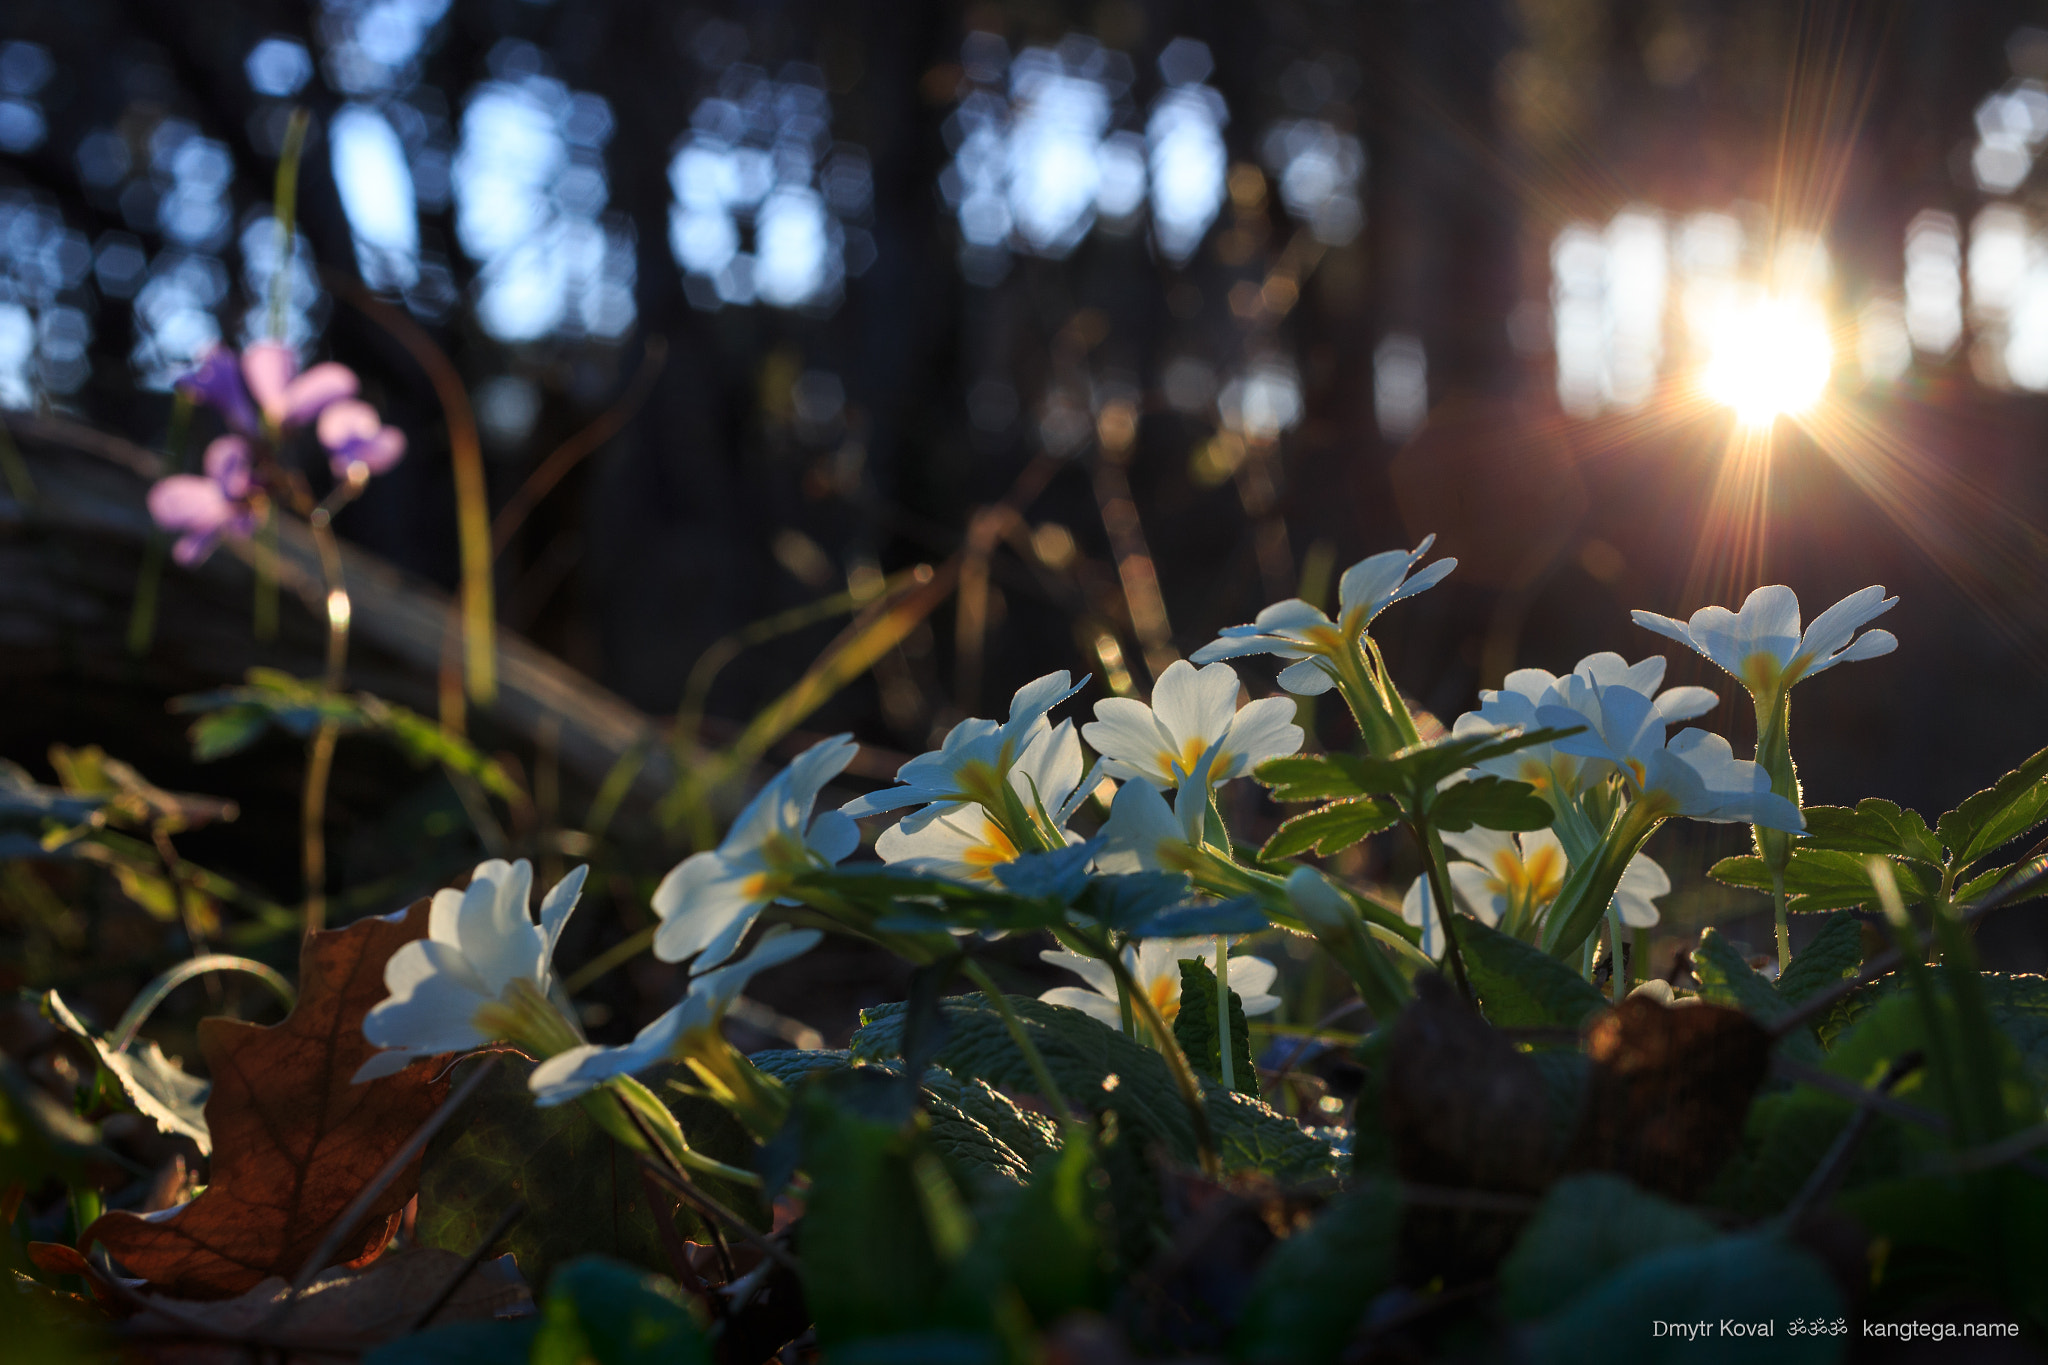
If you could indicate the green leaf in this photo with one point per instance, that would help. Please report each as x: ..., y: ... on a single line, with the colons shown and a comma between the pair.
x: 2009, y: 808
x: 1752, y: 1279
x: 2019, y: 1005
x: 1084, y: 1054
x: 583, y: 1194
x: 1829, y: 956
x: 1129, y: 898
x: 1521, y: 986
x: 1330, y: 829
x: 461, y: 1343
x: 1081, y: 1053
x: 1874, y: 826
x: 1253, y: 1136
x: 1313, y: 1290
x: 1048, y: 1244
x: 1194, y: 1028
x: 1785, y: 1137
x: 1588, y: 1227
x: 870, y: 1265
x: 1490, y: 803
x: 1824, y: 879
x: 1726, y: 978
x: 985, y: 1139
x: 1313, y: 777
x: 601, y: 1311
x: 227, y: 731
x: 1411, y: 776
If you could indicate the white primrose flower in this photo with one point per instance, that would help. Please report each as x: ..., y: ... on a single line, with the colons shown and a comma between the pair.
x: 1762, y: 644
x: 974, y: 760
x: 1500, y: 874
x: 1143, y: 834
x: 1155, y: 966
x: 1193, y: 710
x: 1546, y: 767
x: 1696, y: 774
x: 968, y: 844
x: 569, y: 1074
x: 480, y: 976
x: 708, y: 901
x: 1295, y: 630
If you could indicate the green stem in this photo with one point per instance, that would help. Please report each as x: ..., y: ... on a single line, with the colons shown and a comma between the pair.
x: 264, y: 622
x: 1223, y: 1039
x: 1177, y: 1063
x: 313, y: 821
x: 158, y: 990
x: 1432, y: 846
x: 287, y: 200
x: 1617, y: 972
x: 1784, y: 920
x: 1033, y: 1058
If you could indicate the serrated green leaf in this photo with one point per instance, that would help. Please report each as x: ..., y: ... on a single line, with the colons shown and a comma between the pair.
x: 1330, y: 829
x: 1312, y: 777
x: 1253, y: 1136
x: 1490, y: 803
x: 1048, y: 1243
x: 1314, y: 1289
x: 1726, y: 978
x: 981, y: 1133
x: 603, y: 1312
x: 1082, y: 1053
x: 1824, y: 879
x: 1785, y: 1137
x: 2007, y: 809
x: 1874, y: 826
x: 160, y: 1089
x: 1751, y: 1279
x: 1521, y: 986
x: 1588, y: 1227
x: 1194, y: 1028
x: 1829, y: 956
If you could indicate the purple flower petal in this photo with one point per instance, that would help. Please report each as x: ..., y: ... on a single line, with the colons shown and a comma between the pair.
x: 268, y: 366
x: 228, y: 464
x: 193, y: 548
x: 188, y: 502
x: 348, y: 423
x: 218, y: 383
x: 376, y: 455
x: 306, y: 396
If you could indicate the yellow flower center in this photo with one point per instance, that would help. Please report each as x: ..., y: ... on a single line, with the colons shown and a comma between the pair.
x: 1532, y: 879
x: 1165, y: 993
x: 1172, y: 765
x: 990, y: 851
x: 1760, y: 673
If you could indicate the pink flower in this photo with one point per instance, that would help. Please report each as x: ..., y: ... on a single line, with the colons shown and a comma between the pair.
x: 288, y: 398
x: 204, y: 507
x: 266, y: 386
x: 356, y: 436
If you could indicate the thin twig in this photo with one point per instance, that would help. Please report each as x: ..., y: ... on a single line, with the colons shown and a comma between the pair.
x: 512, y: 1214
x: 672, y: 1241
x: 1843, y: 1088
x: 691, y: 1191
x: 571, y: 452
x: 400, y: 1159
x: 1828, y: 1174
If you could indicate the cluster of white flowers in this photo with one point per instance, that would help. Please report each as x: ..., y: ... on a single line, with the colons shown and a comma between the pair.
x: 994, y: 792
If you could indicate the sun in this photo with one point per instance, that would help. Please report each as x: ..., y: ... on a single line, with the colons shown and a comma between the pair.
x: 1767, y: 357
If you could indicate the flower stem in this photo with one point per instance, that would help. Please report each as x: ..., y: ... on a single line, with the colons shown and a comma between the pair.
x: 1784, y: 920
x: 1223, y: 1039
x: 1033, y: 1058
x: 287, y: 202
x: 1176, y: 1063
x: 313, y: 820
x: 1617, y: 973
x: 1432, y: 846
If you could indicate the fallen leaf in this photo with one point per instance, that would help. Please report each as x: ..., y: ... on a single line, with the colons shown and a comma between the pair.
x: 294, y: 1139
x: 1668, y: 1093
x: 340, y: 1311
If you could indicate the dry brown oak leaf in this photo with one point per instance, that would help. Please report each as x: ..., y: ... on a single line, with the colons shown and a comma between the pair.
x: 293, y: 1139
